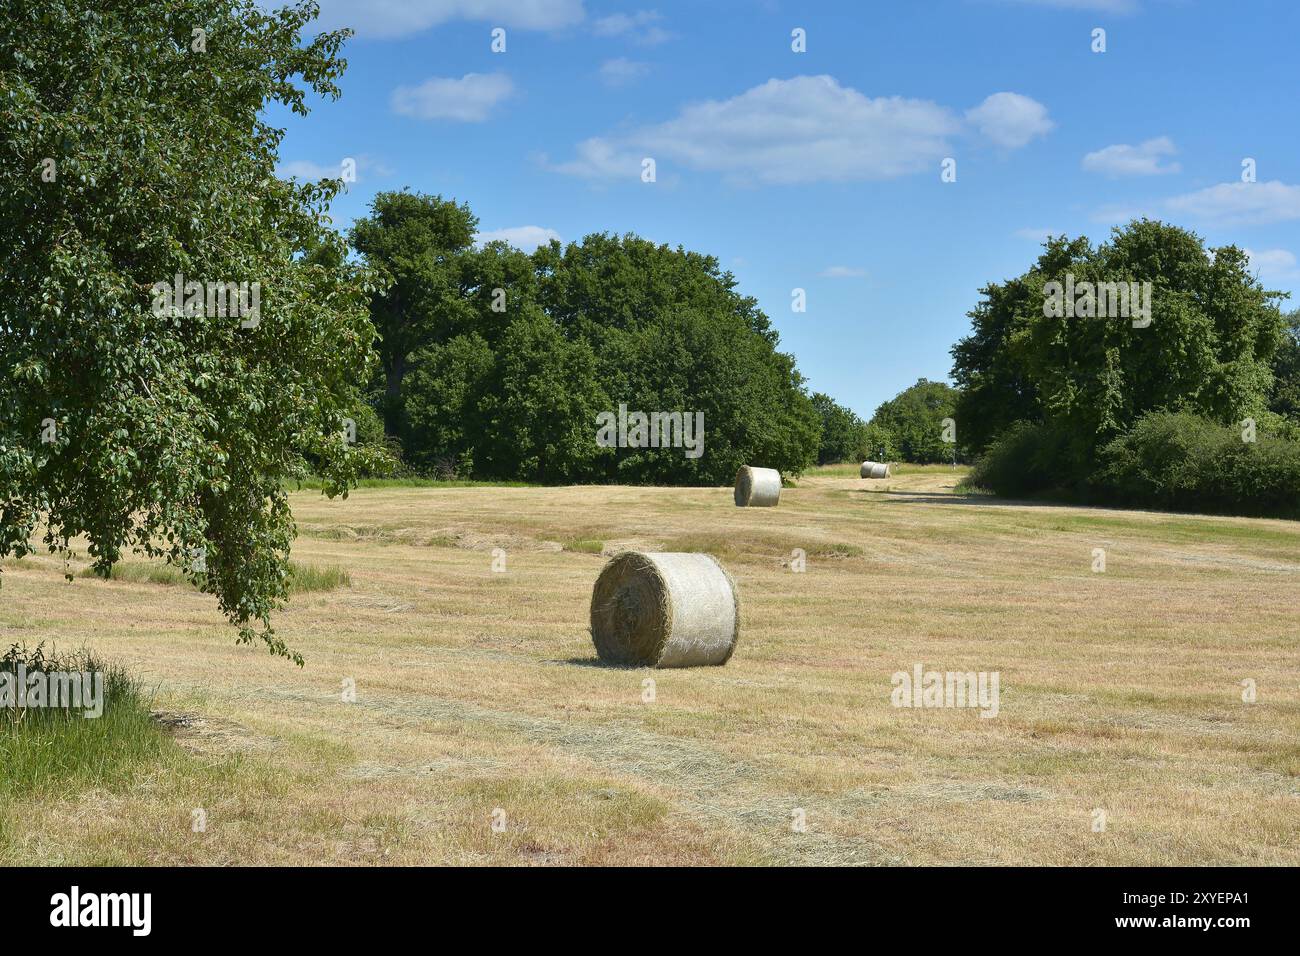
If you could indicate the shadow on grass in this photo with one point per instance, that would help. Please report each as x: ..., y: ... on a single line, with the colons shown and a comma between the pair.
x: 597, y: 662
x: 949, y: 498
x: 996, y: 502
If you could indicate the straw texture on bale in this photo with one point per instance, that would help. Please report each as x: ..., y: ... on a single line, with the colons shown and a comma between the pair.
x: 757, y: 487
x: 664, y: 609
x: 874, y: 469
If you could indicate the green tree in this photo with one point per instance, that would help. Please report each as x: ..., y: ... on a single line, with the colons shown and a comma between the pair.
x: 844, y: 434
x: 423, y: 246
x: 134, y: 151
x: 670, y: 333
x: 539, y: 416
x: 914, y: 421
x: 1285, y: 397
x: 511, y: 384
x: 442, y: 404
x: 609, y: 282
x: 1207, y: 349
x: 989, y: 364
x: 878, y: 444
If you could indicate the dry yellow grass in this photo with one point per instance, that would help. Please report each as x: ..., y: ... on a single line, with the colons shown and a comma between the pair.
x: 478, y: 691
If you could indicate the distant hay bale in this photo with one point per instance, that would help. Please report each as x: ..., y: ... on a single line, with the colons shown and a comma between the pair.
x: 757, y: 487
x: 661, y: 609
x: 874, y: 469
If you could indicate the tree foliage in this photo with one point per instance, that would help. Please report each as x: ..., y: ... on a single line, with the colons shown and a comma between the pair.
x: 133, y: 151
x: 844, y: 434
x: 423, y: 247
x: 518, y: 362
x: 914, y: 421
x: 1207, y: 348
x: 1285, y: 397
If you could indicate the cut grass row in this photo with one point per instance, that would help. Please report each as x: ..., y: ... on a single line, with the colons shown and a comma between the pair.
x: 303, y: 578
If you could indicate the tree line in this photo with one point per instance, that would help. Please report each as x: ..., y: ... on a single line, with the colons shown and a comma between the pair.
x: 1191, y: 405
x: 497, y: 364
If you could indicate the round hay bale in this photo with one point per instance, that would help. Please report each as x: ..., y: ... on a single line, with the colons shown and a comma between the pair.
x: 660, y: 609
x: 874, y: 469
x: 757, y: 487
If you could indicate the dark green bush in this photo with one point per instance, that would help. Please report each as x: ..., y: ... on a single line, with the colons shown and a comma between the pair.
x: 1185, y: 462
x: 1025, y: 460
x: 1168, y: 460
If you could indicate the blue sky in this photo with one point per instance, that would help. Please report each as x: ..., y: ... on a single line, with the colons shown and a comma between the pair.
x: 820, y: 170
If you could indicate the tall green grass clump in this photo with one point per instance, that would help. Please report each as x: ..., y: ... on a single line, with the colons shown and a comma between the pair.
x: 302, y: 577
x: 51, y: 752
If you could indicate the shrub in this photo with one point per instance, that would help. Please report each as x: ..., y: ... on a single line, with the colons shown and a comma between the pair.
x: 1184, y: 462
x: 1024, y: 460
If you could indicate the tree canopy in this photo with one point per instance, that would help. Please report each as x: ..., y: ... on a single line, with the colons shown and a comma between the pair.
x: 516, y: 359
x: 1206, y: 347
x: 1285, y: 397
x: 844, y: 434
x: 914, y: 420
x: 423, y: 247
x: 136, y: 160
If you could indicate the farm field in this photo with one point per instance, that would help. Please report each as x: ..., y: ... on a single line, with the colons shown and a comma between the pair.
x: 478, y: 697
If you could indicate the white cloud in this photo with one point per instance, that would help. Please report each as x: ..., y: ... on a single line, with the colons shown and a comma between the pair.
x: 640, y: 27
x: 842, y: 272
x: 620, y: 71
x: 1227, y: 204
x: 1241, y: 203
x: 805, y: 129
x: 1274, y: 264
x: 468, y: 99
x: 306, y: 169
x: 1036, y: 235
x: 1010, y: 120
x: 386, y: 19
x: 526, y: 238
x: 599, y: 158
x: 1140, y: 160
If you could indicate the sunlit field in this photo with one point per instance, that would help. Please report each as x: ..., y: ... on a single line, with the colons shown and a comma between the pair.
x: 484, y: 730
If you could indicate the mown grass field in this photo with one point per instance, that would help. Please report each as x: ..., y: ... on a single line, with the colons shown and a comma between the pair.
x: 478, y: 691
